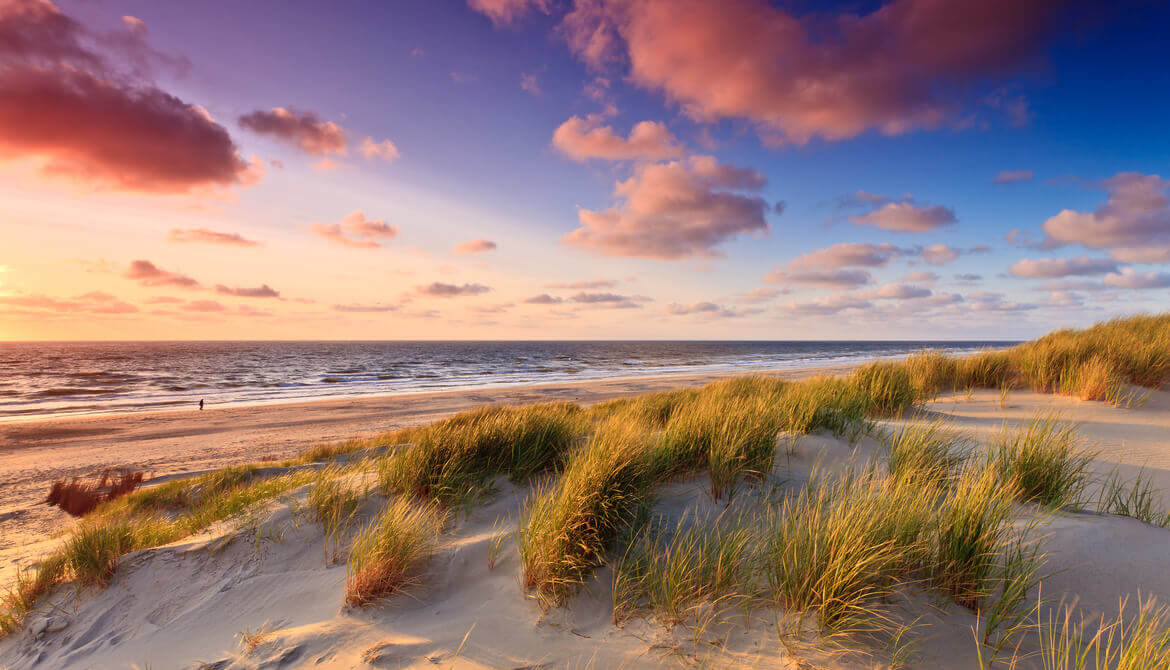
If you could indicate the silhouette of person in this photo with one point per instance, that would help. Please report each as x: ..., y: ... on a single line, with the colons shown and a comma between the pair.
x: 201, y: 404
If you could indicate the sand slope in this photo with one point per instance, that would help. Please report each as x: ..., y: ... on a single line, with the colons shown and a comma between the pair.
x: 186, y: 604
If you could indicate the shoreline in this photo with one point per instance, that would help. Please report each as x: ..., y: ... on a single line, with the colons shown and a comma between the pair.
x: 185, y: 442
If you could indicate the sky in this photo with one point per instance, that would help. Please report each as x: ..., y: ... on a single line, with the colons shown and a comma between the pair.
x: 581, y: 169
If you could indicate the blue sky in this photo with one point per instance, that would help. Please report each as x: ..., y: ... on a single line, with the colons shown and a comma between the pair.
x: 1081, y: 97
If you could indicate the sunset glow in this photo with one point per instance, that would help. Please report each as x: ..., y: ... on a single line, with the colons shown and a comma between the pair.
x: 588, y: 169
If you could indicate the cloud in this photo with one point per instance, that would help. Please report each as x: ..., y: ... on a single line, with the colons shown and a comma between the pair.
x: 982, y: 301
x: 1052, y: 268
x: 530, y: 81
x: 1134, y: 221
x: 1012, y: 176
x: 582, y: 139
x: 850, y: 254
x: 675, y: 210
x: 262, y: 291
x: 583, y: 284
x: 78, y: 104
x: 362, y: 309
x: 1132, y: 279
x: 900, y: 67
x: 209, y: 237
x: 441, y: 290
x: 385, y: 150
x: 1154, y: 254
x: 609, y: 300
x: 203, y: 306
x: 477, y: 246
x: 507, y: 12
x: 827, y: 306
x: 543, y: 299
x: 968, y: 276
x: 906, y: 217
x: 94, y: 302
x: 823, y: 278
x: 1072, y: 285
x: 356, y: 231
x: 300, y: 128
x: 149, y: 274
x: 921, y: 277
x: 896, y: 292
x: 759, y: 295
x: 941, y: 254
x: 708, y: 309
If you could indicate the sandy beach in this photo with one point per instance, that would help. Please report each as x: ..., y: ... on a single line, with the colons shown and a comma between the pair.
x: 469, y: 610
x: 35, y: 453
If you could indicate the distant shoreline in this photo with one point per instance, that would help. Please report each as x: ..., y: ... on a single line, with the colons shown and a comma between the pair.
x: 343, y: 388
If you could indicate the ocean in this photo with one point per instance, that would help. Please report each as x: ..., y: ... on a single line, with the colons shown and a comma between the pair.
x: 40, y: 379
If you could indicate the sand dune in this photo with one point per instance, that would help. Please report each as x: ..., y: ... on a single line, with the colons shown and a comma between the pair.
x: 271, y: 575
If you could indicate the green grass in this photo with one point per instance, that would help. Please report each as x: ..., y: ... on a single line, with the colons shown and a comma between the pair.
x: 566, y: 527
x: 837, y: 549
x: 972, y: 530
x: 672, y: 574
x: 887, y: 387
x: 931, y: 452
x: 1132, y: 641
x: 1137, y: 499
x: 1044, y: 461
x: 388, y: 554
x: 453, y: 461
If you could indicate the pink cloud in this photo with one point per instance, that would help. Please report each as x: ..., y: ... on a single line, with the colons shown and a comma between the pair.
x: 149, y: 274
x: 840, y: 278
x: 896, y: 292
x: 675, y: 210
x: 894, y: 69
x: 850, y: 254
x: 1012, y: 176
x: 1133, y: 223
x: 441, y: 290
x: 80, y: 127
x: 303, y: 129
x: 262, y: 291
x: 906, y: 217
x: 385, y: 150
x: 477, y: 246
x: 582, y: 139
x: 827, y: 306
x: 206, y: 306
x: 507, y: 12
x: 708, y: 309
x: 583, y: 284
x: 1129, y: 278
x: 543, y: 299
x: 94, y: 302
x: 1054, y: 268
x: 356, y: 231
x: 209, y: 237
x: 366, y: 309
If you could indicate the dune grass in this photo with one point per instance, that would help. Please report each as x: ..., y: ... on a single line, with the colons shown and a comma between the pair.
x: 453, y: 461
x: 1045, y: 461
x: 387, y: 555
x: 1137, y: 499
x: 931, y: 452
x: 1096, y: 363
x: 1130, y: 641
x: 566, y: 527
x: 833, y: 550
x: 672, y: 575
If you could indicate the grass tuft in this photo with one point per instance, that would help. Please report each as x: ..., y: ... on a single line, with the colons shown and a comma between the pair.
x: 1044, y: 461
x: 388, y: 554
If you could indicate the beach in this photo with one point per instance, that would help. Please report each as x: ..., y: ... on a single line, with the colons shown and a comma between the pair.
x: 171, y: 443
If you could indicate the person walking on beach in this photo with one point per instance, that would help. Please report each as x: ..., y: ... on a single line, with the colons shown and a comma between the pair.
x: 201, y: 404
